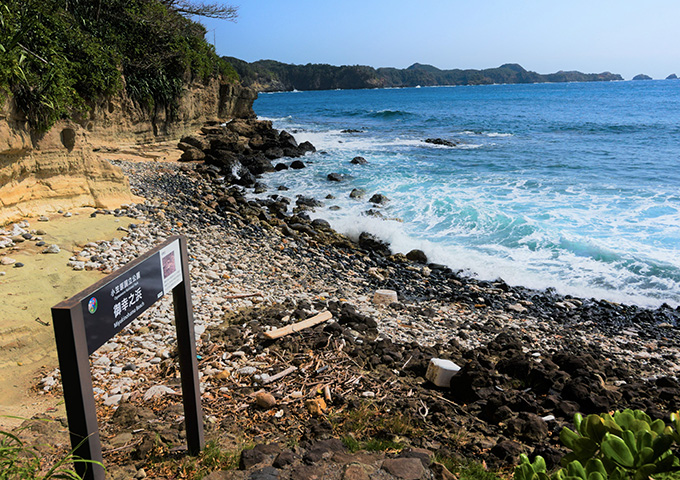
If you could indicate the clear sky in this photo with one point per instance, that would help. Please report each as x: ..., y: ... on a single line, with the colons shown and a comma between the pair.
x: 592, y: 36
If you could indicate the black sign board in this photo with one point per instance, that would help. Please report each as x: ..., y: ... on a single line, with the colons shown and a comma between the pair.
x: 90, y: 318
x: 113, y: 306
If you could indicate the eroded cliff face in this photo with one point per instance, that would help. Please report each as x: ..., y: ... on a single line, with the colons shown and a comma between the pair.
x: 57, y: 170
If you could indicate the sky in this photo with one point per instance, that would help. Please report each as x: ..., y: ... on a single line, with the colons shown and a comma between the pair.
x: 593, y: 36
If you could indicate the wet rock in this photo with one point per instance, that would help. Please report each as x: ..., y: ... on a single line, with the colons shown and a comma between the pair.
x: 417, y: 256
x: 359, y: 161
x: 379, y: 199
x: 357, y: 193
x: 440, y: 141
x: 335, y: 177
x: 297, y: 165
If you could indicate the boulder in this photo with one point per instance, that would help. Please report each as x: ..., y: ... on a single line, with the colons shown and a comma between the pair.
x: 358, y: 161
x: 379, y: 199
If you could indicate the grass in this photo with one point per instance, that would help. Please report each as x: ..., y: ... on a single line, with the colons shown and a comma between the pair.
x: 19, y: 461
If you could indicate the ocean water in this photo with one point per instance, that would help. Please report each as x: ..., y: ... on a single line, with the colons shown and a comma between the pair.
x: 571, y: 186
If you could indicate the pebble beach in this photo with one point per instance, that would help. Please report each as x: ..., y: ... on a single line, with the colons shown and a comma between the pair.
x: 254, y: 268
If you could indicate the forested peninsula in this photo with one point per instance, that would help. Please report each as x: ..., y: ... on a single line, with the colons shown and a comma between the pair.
x: 270, y: 75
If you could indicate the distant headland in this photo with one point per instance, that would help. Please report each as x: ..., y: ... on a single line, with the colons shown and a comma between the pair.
x: 270, y: 75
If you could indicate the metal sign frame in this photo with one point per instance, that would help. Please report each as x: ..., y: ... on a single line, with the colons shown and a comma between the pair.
x: 71, y: 334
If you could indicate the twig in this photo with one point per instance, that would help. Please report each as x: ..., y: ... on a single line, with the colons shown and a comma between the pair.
x: 279, y: 375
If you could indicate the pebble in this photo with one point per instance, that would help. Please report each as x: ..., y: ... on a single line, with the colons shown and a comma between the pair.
x: 18, y: 265
x: 7, y: 261
x: 43, y: 218
x: 54, y: 248
x: 157, y: 391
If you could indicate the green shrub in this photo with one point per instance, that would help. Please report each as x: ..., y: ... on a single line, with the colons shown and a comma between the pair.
x: 627, y: 445
x: 57, y: 58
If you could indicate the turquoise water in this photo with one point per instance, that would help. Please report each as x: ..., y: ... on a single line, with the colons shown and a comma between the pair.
x: 572, y: 186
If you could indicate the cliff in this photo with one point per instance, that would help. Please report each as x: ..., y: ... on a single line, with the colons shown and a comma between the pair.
x: 41, y: 173
x: 269, y: 75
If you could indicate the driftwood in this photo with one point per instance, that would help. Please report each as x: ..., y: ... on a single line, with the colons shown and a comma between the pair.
x: 243, y: 295
x: 279, y: 375
x: 296, y: 327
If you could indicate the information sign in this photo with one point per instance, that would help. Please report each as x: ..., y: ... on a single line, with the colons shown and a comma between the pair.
x: 89, y: 319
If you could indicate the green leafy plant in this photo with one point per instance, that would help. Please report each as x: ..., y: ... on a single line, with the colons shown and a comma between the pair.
x: 19, y: 461
x: 627, y: 445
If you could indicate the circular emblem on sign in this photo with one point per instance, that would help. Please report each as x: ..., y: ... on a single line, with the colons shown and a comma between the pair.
x: 92, y: 305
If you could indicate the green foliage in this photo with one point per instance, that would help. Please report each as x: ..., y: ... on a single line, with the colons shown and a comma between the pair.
x: 18, y: 461
x: 627, y: 445
x: 57, y: 57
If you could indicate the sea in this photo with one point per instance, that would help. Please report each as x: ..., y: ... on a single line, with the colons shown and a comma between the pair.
x: 570, y: 186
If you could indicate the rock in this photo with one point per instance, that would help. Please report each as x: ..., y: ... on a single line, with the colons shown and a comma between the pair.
x: 195, y: 141
x: 440, y: 141
x: 308, y: 202
x: 7, y: 261
x: 265, y: 400
x: 157, y: 391
x: 507, y: 450
x: 379, y: 199
x: 280, y: 166
x: 672, y: 76
x: 642, y: 76
x: 355, y: 471
x: 250, y: 458
x: 517, y: 308
x: 297, y: 165
x: 404, y: 468
x: 266, y: 473
x: 18, y: 265
x: 370, y: 242
x: 284, y: 458
x: 358, y: 161
x: 52, y: 249
x: 335, y: 177
x: 416, y: 255
x: 192, y: 154
x: 357, y: 193
x: 43, y: 218
x: 248, y: 371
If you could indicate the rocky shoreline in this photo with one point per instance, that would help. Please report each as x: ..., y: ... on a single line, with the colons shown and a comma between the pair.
x: 529, y: 359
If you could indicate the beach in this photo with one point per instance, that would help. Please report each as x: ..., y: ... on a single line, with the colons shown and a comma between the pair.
x: 539, y: 355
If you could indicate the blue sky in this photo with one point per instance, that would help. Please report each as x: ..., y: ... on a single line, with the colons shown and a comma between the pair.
x: 626, y: 37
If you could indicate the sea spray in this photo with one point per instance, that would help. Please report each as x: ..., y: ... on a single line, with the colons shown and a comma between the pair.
x: 570, y: 186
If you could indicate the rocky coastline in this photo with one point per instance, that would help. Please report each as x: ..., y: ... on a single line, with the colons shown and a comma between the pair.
x: 530, y: 359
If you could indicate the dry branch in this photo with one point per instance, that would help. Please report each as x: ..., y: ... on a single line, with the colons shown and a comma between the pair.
x: 296, y: 327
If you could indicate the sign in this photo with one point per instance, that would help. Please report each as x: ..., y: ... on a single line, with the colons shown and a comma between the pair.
x: 113, y: 306
x: 86, y: 321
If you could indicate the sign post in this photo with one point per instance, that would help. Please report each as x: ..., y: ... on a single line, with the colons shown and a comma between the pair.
x: 86, y: 321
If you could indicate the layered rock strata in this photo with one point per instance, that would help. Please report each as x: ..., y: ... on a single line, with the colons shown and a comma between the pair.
x: 40, y: 173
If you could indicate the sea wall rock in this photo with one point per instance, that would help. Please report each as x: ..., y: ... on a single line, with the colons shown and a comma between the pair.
x: 44, y: 172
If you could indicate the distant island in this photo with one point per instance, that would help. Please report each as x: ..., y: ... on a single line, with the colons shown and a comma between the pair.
x: 642, y: 76
x: 270, y: 75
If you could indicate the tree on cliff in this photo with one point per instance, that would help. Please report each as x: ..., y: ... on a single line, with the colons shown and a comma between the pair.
x: 57, y: 57
x: 202, y: 9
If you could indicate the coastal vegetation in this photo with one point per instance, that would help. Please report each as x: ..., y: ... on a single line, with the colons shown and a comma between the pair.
x: 270, y: 75
x: 57, y: 57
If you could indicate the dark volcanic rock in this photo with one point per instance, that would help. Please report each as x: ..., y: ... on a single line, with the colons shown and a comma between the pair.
x: 335, y: 177
x: 297, y: 165
x: 416, y: 255
x: 358, y: 161
x: 440, y: 141
x: 374, y: 244
x: 379, y: 199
